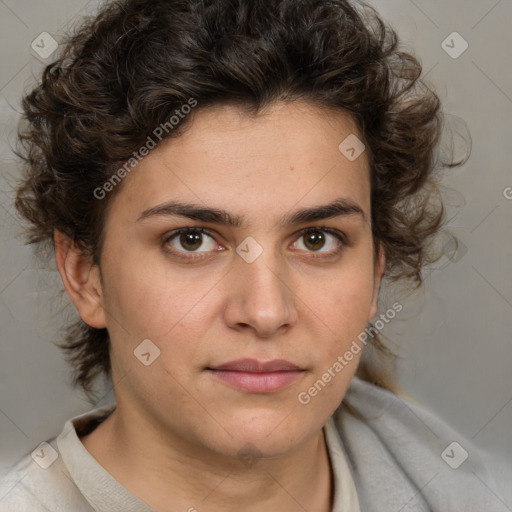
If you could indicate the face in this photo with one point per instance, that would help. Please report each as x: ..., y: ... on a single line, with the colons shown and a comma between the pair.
x: 217, y: 300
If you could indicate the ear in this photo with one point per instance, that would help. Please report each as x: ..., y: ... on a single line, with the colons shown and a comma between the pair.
x: 81, y: 280
x: 377, y: 279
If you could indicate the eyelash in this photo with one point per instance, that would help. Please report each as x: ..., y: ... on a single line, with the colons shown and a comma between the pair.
x: 195, y: 256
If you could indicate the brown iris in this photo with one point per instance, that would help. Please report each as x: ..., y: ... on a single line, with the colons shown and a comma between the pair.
x: 314, y: 240
x: 188, y: 240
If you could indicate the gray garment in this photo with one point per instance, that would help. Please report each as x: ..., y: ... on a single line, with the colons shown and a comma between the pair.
x: 403, y: 458
x: 394, y: 455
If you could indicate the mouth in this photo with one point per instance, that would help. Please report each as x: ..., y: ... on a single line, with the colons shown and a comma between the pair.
x: 257, y: 377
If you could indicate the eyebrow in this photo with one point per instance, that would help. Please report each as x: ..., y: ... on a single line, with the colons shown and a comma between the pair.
x: 338, y: 208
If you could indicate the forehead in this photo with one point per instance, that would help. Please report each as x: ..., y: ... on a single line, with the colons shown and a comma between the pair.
x: 286, y: 155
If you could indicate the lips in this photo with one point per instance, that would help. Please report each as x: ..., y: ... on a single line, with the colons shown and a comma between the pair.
x: 254, y: 366
x: 256, y: 376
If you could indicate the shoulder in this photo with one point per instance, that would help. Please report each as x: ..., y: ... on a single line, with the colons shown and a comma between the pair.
x: 401, y: 449
x: 40, y: 482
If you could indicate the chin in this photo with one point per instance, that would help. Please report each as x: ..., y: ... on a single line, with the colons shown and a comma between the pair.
x: 265, y: 433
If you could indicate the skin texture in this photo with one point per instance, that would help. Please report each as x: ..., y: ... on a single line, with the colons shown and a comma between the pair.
x: 176, y: 426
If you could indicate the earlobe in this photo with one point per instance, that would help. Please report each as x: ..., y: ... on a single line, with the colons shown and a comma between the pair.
x: 81, y: 280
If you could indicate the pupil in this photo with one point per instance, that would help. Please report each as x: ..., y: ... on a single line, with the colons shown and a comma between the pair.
x: 317, y: 239
x: 190, y: 239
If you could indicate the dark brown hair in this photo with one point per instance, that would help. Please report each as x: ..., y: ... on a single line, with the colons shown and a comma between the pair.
x: 124, y: 72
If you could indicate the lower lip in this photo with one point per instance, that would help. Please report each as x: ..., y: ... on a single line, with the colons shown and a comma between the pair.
x: 264, y: 382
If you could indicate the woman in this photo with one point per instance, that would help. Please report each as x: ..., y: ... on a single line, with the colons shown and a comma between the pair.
x: 226, y: 184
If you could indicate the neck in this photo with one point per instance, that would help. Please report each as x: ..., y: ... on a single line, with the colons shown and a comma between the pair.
x: 170, y: 474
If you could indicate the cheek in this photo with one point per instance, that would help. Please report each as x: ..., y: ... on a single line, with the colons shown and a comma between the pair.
x: 150, y: 301
x: 344, y: 302
x: 340, y: 312
x: 174, y: 311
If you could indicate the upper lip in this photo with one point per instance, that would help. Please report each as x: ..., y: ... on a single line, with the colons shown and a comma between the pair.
x: 253, y: 365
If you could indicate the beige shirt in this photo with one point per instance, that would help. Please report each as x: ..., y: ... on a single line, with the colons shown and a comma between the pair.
x: 62, y: 475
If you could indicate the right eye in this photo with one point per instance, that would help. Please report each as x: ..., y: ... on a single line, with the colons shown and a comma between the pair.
x: 190, y: 240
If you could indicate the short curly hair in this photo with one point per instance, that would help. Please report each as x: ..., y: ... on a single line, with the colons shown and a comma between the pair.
x: 124, y: 71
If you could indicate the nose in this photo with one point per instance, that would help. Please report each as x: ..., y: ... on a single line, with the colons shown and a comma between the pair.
x: 261, y: 297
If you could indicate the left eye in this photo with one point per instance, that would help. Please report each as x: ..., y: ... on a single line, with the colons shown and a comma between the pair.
x: 315, y: 239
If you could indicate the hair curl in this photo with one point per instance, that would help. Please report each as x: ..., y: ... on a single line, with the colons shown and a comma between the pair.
x: 122, y: 72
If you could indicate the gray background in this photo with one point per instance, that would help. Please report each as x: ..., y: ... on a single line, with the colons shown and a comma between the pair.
x: 453, y: 337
